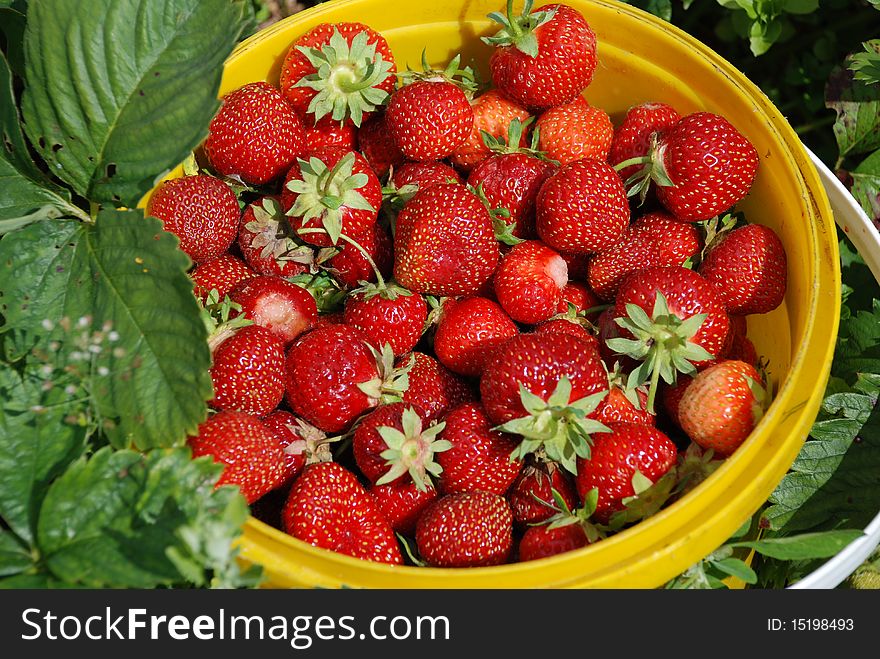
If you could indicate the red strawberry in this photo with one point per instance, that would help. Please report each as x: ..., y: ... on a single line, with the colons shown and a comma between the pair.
x: 493, y: 113
x: 529, y: 282
x: 579, y: 295
x: 575, y: 131
x: 469, y: 529
x: 614, y: 460
x: 617, y: 408
x: 266, y: 244
x: 632, y: 139
x: 329, y: 508
x: 748, y: 268
x: 256, y: 135
x: 543, y: 541
x: 251, y: 456
x: 220, y: 274
x: 469, y: 332
x: 349, y: 266
x: 741, y: 348
x: 330, y: 133
x: 285, y: 309
x: 402, y: 504
x: 248, y: 371
x: 334, y: 192
x: 445, y: 244
x: 722, y: 406
x: 544, y: 57
x: 582, y: 208
x: 565, y: 325
x: 201, y: 211
x: 343, y: 71
x: 302, y: 442
x: 531, y: 495
x: 577, y: 265
x: 333, y: 376
x: 378, y: 147
x: 393, y: 443
x: 433, y: 388
x: 389, y: 314
x: 671, y: 396
x: 480, y: 457
x: 420, y: 175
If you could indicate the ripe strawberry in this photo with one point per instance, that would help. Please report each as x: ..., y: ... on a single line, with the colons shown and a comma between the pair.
x: 420, y: 175
x: 614, y: 460
x: 479, y: 457
x: 256, y: 135
x: 252, y: 458
x: 469, y: 529
x: 343, y: 71
x: 220, y: 274
x: 248, y: 371
x: 431, y: 116
x: 435, y: 389
x: 577, y: 265
x: 563, y: 324
x: 378, y: 147
x: 529, y: 282
x: 582, y: 208
x: 577, y: 294
x: 531, y: 495
x: 632, y: 139
x: 329, y: 508
x: 544, y: 57
x: 543, y: 541
x: 201, y: 211
x: 333, y: 376
x: 671, y: 396
x: 722, y: 406
x: 394, y: 444
x: 330, y: 133
x: 618, y: 408
x: 575, y: 131
x: 493, y: 113
x: 542, y: 386
x: 445, y: 244
x: 285, y: 309
x: 469, y: 332
x: 349, y: 266
x: 402, y: 504
x: 389, y: 314
x: 748, y: 268
x: 334, y: 192
x: 302, y: 442
x: 265, y: 240
x: 740, y: 347
x: 654, y: 240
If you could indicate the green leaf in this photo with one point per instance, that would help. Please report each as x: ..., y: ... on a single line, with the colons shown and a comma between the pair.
x: 804, y: 546
x: 115, y: 272
x: 14, y: 558
x: 736, y: 568
x: 866, y: 65
x: 660, y: 8
x: 800, y: 6
x: 857, y: 128
x: 119, y: 91
x: 866, y: 185
x: 12, y: 24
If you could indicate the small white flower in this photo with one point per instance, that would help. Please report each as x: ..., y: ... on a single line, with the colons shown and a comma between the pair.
x: 103, y: 371
x: 113, y: 336
x: 48, y: 325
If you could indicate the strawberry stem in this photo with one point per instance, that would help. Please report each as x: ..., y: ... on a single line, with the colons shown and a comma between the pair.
x: 380, y: 280
x: 638, y: 160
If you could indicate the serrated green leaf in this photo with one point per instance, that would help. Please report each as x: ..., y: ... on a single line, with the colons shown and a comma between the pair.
x: 866, y: 185
x: 14, y: 558
x: 866, y: 65
x: 857, y: 127
x: 119, y: 91
x: 804, y: 546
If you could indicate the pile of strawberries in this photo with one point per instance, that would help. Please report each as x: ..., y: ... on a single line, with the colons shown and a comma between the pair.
x: 470, y: 327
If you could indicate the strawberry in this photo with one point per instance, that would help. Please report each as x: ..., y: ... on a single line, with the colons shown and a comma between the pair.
x: 349, y: 266
x: 285, y: 309
x: 334, y: 192
x: 577, y: 294
x: 671, y: 396
x: 740, y: 346
x: 748, y: 268
x: 431, y: 116
x: 468, y: 529
x: 435, y: 389
x: 493, y: 113
x: 582, y: 208
x: 420, y: 175
x: 402, y: 504
x: 265, y: 241
x: 333, y: 376
x: 543, y: 541
x: 389, y: 314
x: 220, y: 274
x: 544, y: 57
x: 252, y: 458
x: 531, y: 495
x: 654, y: 240
x: 330, y: 133
x: 329, y: 508
x: 378, y: 147
x: 469, y: 332
x: 479, y: 457
x: 575, y: 131
x: 615, y: 458
x: 393, y: 444
x: 577, y: 265
x: 255, y: 136
x: 445, y: 244
x: 563, y: 324
x: 677, y: 321
x: 618, y: 408
x: 343, y: 71
x: 722, y: 406
x: 529, y: 282
x: 632, y: 139
x: 201, y: 211
x: 248, y: 371
x: 302, y: 442
x: 543, y: 386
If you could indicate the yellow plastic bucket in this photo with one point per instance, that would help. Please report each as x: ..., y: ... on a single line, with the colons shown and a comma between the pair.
x: 641, y: 58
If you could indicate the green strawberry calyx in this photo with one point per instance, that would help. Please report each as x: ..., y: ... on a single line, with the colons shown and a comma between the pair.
x: 653, y: 170
x: 222, y: 318
x: 313, y: 443
x: 662, y: 344
x: 557, y: 426
x: 368, y: 290
x: 328, y: 294
x: 519, y: 31
x: 513, y: 142
x: 272, y: 234
x: 412, y: 450
x: 346, y: 78
x: 391, y: 381
x: 453, y: 73
x: 694, y: 466
x: 500, y: 216
x: 564, y: 516
x: 648, y: 498
x: 324, y: 193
